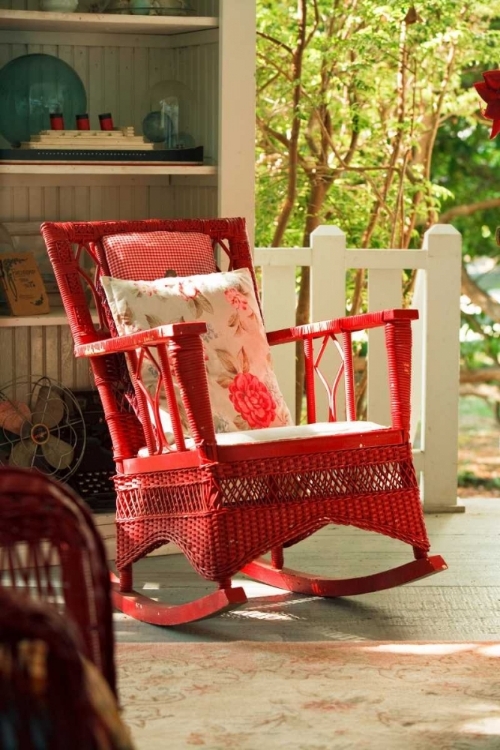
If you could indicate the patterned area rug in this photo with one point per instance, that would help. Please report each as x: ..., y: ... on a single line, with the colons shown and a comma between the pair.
x: 311, y: 696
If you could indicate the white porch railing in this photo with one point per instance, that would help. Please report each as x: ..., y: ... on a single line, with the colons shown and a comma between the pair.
x: 435, y: 372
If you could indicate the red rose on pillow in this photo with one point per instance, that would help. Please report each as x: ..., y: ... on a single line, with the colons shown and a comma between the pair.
x: 252, y: 399
x: 236, y: 299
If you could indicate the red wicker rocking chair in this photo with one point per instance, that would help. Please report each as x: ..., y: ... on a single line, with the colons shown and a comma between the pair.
x: 227, y: 498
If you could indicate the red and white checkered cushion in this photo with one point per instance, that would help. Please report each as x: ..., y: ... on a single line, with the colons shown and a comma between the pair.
x: 145, y: 256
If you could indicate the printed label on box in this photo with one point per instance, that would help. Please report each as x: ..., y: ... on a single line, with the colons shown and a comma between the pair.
x: 22, y: 284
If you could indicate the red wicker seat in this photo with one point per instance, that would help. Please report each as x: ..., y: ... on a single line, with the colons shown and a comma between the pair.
x: 227, y: 501
x: 50, y: 550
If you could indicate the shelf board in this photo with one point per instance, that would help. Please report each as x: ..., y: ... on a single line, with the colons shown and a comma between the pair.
x: 108, y: 169
x: 56, y: 317
x: 34, y: 20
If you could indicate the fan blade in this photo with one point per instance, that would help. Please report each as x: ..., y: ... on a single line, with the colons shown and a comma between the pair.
x: 58, y: 453
x: 13, y: 414
x: 49, y: 407
x: 22, y: 454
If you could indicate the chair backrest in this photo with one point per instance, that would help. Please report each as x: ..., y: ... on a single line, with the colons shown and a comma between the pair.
x: 51, y: 551
x: 82, y: 252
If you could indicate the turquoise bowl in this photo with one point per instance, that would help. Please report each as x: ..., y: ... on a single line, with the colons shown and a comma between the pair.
x: 33, y: 86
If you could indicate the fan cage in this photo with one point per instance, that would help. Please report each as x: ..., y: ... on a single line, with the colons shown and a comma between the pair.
x: 41, y: 427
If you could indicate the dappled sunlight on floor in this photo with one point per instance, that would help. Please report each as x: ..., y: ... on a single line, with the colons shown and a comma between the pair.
x: 488, y: 725
x: 428, y: 649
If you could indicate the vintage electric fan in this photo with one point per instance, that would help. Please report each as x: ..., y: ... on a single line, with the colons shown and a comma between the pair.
x: 41, y: 427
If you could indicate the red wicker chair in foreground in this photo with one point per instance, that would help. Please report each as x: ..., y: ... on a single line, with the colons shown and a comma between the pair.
x: 50, y: 551
x: 227, y: 497
x: 51, y: 697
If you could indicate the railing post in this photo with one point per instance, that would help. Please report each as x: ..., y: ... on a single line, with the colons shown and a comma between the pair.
x: 417, y: 397
x: 441, y: 369
x: 278, y: 304
x: 328, y: 293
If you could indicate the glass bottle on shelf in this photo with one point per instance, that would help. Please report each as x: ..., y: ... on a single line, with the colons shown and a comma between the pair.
x: 173, y: 115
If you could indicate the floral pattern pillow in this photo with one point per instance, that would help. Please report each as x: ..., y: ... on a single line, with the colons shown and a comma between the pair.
x: 244, y: 392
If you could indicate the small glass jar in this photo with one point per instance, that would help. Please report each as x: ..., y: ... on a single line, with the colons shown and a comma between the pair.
x: 175, y: 111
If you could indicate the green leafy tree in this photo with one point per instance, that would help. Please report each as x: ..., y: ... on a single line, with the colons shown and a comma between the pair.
x: 468, y: 164
x: 355, y: 98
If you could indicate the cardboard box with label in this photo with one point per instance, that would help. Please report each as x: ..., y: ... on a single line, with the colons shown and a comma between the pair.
x: 22, y: 284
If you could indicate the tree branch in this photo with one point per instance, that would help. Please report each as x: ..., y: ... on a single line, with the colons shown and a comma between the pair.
x: 293, y: 146
x: 480, y: 298
x: 276, y: 42
x: 466, y: 210
x: 480, y: 375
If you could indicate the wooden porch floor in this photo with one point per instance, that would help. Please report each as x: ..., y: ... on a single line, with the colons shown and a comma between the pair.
x: 460, y: 604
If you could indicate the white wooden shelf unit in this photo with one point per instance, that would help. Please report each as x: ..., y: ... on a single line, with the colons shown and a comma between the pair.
x: 98, y: 23
x: 120, y: 58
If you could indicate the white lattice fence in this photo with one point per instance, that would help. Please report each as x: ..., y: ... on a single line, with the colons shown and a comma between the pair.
x: 436, y: 335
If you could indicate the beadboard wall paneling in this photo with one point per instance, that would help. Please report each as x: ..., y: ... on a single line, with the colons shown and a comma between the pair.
x: 110, y: 201
x: 28, y: 352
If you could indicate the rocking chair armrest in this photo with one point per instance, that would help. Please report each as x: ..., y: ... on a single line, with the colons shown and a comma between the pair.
x: 340, y: 325
x: 179, y: 354
x: 131, y: 341
x: 397, y: 329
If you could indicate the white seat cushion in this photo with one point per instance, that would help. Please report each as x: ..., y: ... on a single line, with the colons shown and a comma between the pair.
x: 296, y: 432
x: 293, y: 432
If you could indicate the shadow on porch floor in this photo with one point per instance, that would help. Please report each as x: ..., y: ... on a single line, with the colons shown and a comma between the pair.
x: 460, y: 604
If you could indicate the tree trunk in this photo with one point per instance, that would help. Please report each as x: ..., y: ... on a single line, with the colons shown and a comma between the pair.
x: 318, y: 191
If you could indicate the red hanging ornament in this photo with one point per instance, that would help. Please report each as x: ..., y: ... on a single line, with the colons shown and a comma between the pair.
x: 489, y: 91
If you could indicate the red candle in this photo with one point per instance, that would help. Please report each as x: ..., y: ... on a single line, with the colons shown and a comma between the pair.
x: 82, y: 122
x: 106, y: 121
x: 56, y: 121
